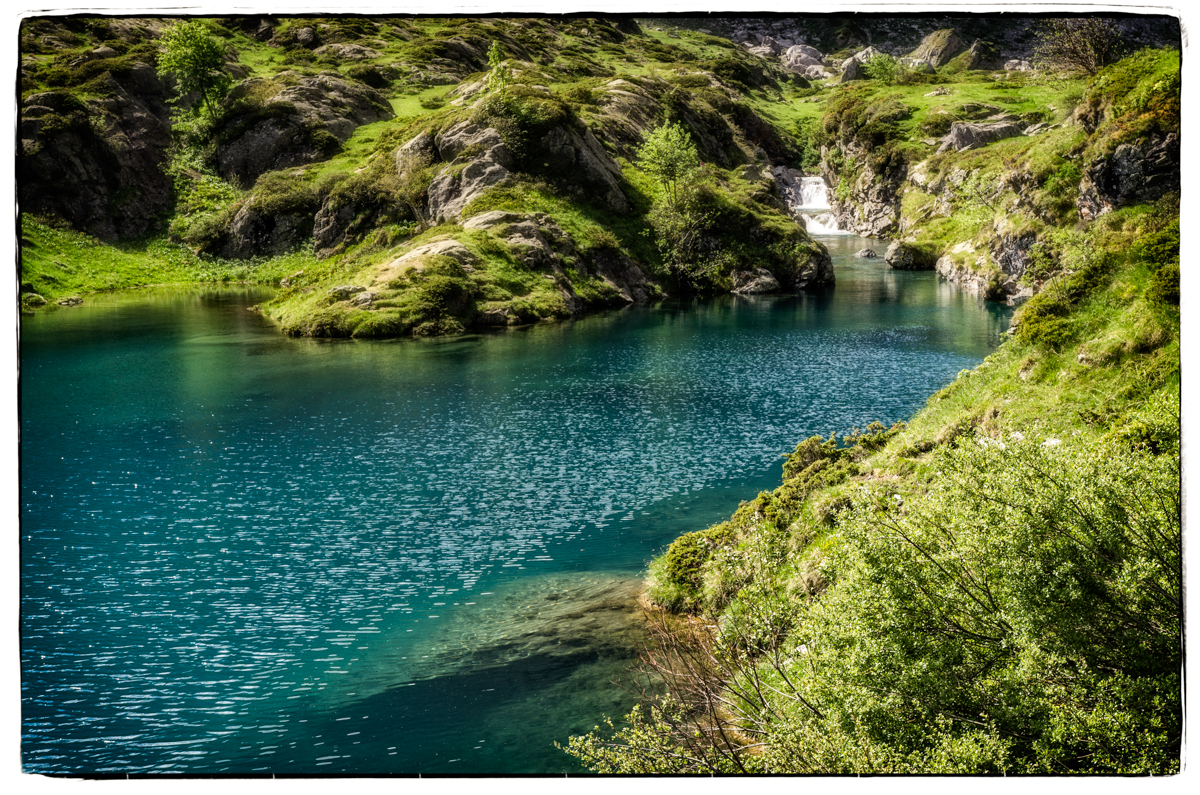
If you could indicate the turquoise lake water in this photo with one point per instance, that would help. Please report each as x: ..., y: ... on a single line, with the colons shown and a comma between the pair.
x: 243, y: 553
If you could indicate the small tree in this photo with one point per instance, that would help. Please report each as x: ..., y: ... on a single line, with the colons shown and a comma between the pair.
x: 1084, y: 44
x: 882, y: 67
x: 498, y: 74
x: 668, y: 155
x: 197, y: 60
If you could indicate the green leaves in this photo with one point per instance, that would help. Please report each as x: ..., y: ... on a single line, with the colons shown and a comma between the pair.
x: 197, y: 60
x: 668, y: 154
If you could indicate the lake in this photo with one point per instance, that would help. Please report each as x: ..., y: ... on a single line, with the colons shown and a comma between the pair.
x: 243, y: 553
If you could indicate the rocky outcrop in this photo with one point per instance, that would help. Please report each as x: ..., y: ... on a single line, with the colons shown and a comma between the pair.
x: 939, y: 47
x: 871, y: 206
x: 984, y: 55
x: 98, y: 163
x: 966, y: 135
x: 903, y: 256
x: 754, y: 282
x: 255, y: 233
x: 300, y: 124
x: 814, y: 271
x: 478, y: 160
x: 995, y: 273
x: 798, y: 58
x: 621, y: 274
x: 1134, y: 172
x: 852, y: 66
x: 573, y: 152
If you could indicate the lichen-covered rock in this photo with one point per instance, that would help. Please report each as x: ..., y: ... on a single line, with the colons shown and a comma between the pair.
x: 300, y: 124
x: 754, y: 282
x: 348, y: 52
x: 939, y: 47
x: 866, y: 253
x: 478, y: 161
x: 906, y: 257
x: 98, y: 163
x: 1134, y: 172
x: 417, y: 258
x: 984, y: 55
x: 966, y: 135
x: 255, y: 233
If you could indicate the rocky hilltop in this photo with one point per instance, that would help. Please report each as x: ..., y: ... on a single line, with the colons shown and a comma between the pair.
x: 446, y: 174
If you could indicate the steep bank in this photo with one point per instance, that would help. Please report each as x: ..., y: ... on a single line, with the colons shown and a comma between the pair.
x: 995, y: 586
x: 445, y: 174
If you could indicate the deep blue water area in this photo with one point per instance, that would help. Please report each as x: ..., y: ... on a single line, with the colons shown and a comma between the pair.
x: 242, y: 552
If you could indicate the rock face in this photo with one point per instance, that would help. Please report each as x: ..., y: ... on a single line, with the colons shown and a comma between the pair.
x: 254, y: 233
x: 906, y: 257
x: 939, y: 47
x: 98, y: 164
x: 467, y: 175
x: 814, y: 272
x: 755, y: 282
x: 966, y: 135
x: 984, y: 55
x: 575, y: 153
x: 298, y: 125
x: 872, y: 207
x: 994, y: 273
x: 1135, y: 172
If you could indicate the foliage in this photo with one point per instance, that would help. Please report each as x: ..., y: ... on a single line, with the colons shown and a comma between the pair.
x: 1022, y: 616
x: 1085, y: 44
x: 668, y: 154
x: 883, y: 67
x: 499, y: 75
x: 197, y: 60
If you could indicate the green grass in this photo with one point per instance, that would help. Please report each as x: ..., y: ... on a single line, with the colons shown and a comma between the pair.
x: 58, y: 263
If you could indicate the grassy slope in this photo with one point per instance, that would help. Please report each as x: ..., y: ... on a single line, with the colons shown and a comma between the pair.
x: 572, y: 55
x: 1093, y: 369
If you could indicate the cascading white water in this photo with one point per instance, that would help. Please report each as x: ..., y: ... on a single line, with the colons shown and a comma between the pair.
x: 808, y: 201
x: 814, y: 207
x: 813, y: 193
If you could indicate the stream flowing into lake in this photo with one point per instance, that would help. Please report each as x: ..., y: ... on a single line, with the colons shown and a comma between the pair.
x: 243, y: 553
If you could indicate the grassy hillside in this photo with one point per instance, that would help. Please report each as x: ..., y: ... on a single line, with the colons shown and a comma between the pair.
x: 995, y: 586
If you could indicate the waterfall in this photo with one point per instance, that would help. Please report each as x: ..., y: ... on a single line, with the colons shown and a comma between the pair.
x: 808, y: 201
x: 813, y: 193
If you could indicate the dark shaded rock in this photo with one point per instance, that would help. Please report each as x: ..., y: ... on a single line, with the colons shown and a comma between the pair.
x: 573, y: 153
x: 72, y: 300
x: 1135, y: 172
x: 814, y: 272
x: 908, y: 257
x: 966, y: 135
x: 984, y: 55
x: 301, y: 124
x: 98, y: 163
x: 254, y: 233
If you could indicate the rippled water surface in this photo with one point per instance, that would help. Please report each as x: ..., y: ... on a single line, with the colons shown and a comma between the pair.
x: 246, y: 553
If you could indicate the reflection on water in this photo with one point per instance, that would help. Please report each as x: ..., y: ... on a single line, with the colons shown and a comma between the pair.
x: 244, y: 553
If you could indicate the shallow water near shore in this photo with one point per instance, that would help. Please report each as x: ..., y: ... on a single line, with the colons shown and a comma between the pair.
x: 243, y: 553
